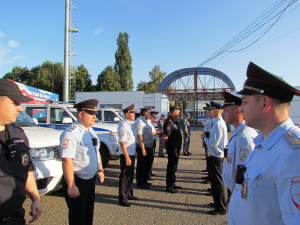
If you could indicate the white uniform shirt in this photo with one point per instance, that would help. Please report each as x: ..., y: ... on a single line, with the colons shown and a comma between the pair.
x: 155, y: 137
x: 239, y: 147
x: 273, y: 180
x: 207, y: 125
x: 217, y: 140
x: 142, y: 127
x: 126, y: 135
x: 76, y: 143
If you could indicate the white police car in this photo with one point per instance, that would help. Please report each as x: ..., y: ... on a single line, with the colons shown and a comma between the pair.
x: 45, y: 153
x: 60, y: 116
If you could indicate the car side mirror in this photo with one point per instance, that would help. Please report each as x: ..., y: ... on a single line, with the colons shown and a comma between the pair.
x: 35, y: 120
x: 117, y: 119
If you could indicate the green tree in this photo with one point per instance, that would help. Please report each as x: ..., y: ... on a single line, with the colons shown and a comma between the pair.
x: 156, y: 77
x: 108, y: 80
x: 123, y: 62
x: 83, y: 79
x: 18, y: 74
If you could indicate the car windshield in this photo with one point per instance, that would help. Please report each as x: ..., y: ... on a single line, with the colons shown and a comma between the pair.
x: 120, y: 113
x: 73, y: 111
x: 23, y: 120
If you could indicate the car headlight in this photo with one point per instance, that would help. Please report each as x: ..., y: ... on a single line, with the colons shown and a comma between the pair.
x: 112, y: 133
x: 42, y: 154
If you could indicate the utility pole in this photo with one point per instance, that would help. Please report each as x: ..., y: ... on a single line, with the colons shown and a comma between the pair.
x: 66, y: 57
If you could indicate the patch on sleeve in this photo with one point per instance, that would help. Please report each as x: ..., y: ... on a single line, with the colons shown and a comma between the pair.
x: 122, y: 133
x: 65, y: 143
x: 295, y: 191
x: 138, y: 127
x: 292, y: 140
x: 244, y: 153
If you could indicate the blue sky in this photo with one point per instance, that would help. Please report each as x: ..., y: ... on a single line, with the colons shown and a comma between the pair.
x: 173, y: 34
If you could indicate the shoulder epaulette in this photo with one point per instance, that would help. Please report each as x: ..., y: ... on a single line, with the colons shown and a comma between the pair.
x: 71, y: 128
x: 293, y: 140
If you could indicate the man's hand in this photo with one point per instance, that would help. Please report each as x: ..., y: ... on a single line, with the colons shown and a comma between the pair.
x: 203, y: 135
x: 36, y: 210
x: 101, y: 176
x: 73, y: 192
x: 144, y: 153
x: 128, y: 161
x: 208, y: 154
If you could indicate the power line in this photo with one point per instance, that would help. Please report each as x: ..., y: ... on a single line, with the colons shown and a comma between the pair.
x: 260, y: 22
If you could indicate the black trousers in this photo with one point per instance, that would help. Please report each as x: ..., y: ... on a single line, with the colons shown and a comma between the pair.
x: 217, y: 185
x: 143, y: 166
x: 81, y: 209
x: 126, y: 178
x: 152, y: 159
x: 173, y: 157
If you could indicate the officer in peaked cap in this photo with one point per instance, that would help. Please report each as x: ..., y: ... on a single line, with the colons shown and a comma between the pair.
x: 16, y: 176
x: 90, y: 106
x: 240, y: 144
x: 273, y: 166
x: 216, y: 142
x: 186, y: 131
x: 206, y: 128
x: 82, y: 164
x: 155, y: 134
x: 160, y: 124
x: 127, y: 143
x: 172, y: 142
x: 144, y: 143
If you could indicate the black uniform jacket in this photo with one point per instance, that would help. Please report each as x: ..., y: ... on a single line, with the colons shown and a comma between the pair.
x: 14, y: 166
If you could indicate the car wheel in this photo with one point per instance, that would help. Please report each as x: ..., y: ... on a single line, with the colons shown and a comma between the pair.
x: 104, y: 152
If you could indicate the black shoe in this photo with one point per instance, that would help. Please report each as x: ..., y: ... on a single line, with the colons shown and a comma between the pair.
x: 176, y: 187
x: 125, y: 203
x: 185, y: 154
x: 204, y: 170
x: 172, y: 190
x: 212, y: 204
x: 153, y: 174
x: 189, y: 153
x: 145, y: 186
x: 205, y: 178
x: 133, y: 198
x: 162, y: 156
x: 151, y: 178
x: 208, y: 194
x: 149, y: 184
x: 216, y: 212
x: 209, y: 189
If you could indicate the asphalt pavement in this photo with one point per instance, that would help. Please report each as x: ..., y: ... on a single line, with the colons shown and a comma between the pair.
x: 154, y: 205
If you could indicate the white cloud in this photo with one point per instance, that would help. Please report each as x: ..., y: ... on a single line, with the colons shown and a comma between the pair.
x: 12, y: 43
x: 98, y: 30
x: 2, y: 34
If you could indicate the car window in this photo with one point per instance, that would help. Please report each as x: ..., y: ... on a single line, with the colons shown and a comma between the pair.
x: 109, y: 116
x: 58, y: 116
x: 39, y: 113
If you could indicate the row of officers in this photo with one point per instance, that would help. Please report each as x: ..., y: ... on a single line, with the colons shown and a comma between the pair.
x: 261, y: 171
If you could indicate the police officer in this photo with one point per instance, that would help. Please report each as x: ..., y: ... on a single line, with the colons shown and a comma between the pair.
x: 206, y: 128
x: 216, y: 143
x: 127, y: 143
x: 155, y: 133
x: 16, y: 176
x: 186, y: 130
x: 172, y: 143
x: 240, y: 144
x: 267, y: 189
x: 160, y: 124
x: 144, y: 142
x: 81, y: 163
